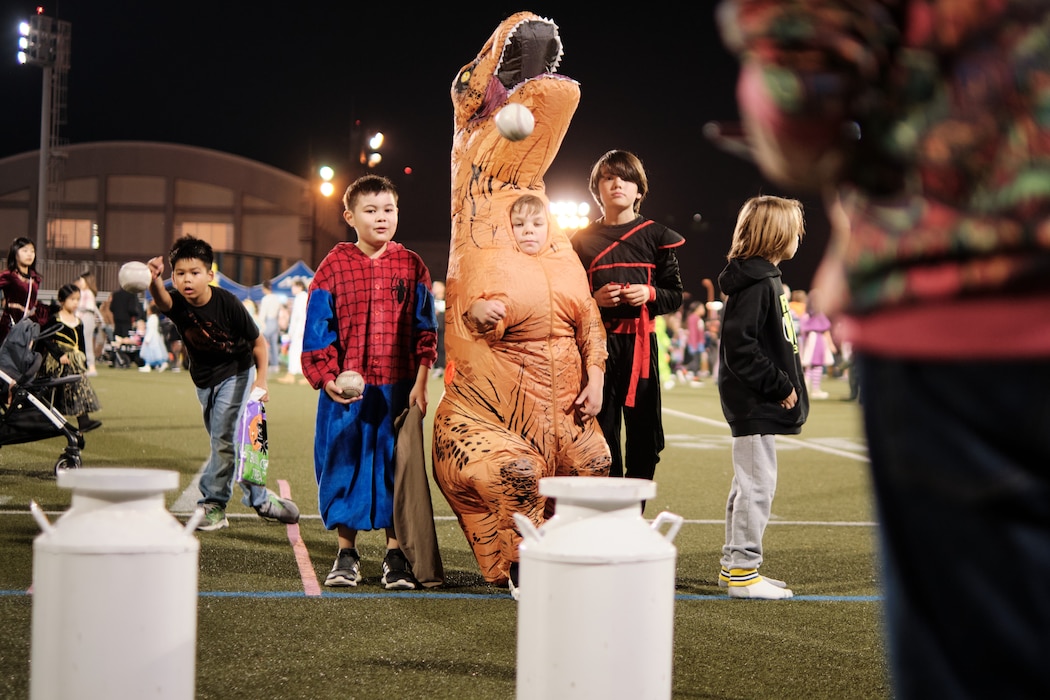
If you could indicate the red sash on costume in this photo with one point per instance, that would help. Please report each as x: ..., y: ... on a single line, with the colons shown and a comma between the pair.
x: 641, y: 327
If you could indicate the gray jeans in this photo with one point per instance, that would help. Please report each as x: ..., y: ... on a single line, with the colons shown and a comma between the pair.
x: 750, y: 500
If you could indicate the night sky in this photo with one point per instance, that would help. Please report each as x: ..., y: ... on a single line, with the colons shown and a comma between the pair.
x: 281, y: 83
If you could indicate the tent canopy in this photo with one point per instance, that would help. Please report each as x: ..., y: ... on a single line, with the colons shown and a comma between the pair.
x: 282, y: 283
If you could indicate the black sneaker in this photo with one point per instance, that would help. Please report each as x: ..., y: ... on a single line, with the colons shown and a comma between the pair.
x: 397, y: 572
x: 347, y: 569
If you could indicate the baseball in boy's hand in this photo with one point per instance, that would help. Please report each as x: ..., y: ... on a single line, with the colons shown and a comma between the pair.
x: 350, y: 384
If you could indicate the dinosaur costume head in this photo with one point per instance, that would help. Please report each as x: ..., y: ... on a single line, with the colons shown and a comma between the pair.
x: 516, y: 64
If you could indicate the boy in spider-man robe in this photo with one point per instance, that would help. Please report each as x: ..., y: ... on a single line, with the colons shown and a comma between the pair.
x: 370, y: 310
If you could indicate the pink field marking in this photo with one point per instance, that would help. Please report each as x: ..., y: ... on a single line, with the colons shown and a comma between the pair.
x: 311, y: 587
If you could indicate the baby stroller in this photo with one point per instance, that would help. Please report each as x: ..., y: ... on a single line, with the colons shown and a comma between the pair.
x: 120, y: 354
x: 26, y: 411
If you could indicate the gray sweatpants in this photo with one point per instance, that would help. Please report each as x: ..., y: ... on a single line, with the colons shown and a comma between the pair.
x: 750, y: 500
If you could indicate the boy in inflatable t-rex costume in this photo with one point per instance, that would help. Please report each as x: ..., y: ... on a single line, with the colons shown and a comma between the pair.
x: 507, y: 417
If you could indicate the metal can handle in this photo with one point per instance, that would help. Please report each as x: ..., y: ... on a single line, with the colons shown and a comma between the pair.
x: 666, y: 517
x: 526, y: 528
x: 195, y: 520
x: 41, y: 519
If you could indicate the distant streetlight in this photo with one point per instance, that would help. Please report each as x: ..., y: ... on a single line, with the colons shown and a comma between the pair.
x: 571, y: 216
x: 326, y: 173
x: 375, y: 142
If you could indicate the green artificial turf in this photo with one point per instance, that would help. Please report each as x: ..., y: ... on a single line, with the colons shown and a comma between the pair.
x: 259, y: 636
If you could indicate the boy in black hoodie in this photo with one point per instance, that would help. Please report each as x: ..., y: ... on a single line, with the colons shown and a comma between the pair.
x: 760, y: 382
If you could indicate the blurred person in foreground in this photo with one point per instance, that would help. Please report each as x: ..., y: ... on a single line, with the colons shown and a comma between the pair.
x: 925, y: 126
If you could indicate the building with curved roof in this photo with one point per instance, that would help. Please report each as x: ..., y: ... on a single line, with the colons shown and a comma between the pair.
x: 115, y: 201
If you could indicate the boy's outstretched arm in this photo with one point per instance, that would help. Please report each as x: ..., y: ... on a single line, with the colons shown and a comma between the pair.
x: 156, y: 284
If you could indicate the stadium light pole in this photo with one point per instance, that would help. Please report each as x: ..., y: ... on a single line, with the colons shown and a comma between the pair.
x: 44, y: 42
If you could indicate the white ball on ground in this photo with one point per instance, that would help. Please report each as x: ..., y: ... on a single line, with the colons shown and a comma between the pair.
x: 350, y: 383
x: 134, y: 277
x: 515, y: 122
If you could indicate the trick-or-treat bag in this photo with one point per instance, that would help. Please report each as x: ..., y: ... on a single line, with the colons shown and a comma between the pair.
x: 252, y: 448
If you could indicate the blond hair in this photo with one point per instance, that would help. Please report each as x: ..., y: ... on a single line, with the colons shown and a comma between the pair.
x: 528, y: 205
x: 766, y: 228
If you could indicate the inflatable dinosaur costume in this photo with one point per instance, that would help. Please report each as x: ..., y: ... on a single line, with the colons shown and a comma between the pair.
x: 506, y: 418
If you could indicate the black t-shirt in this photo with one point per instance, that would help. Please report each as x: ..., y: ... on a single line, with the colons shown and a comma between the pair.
x: 218, y: 337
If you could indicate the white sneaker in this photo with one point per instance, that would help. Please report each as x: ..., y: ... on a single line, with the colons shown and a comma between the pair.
x: 163, y: 367
x: 145, y: 368
x: 724, y: 578
x: 760, y: 590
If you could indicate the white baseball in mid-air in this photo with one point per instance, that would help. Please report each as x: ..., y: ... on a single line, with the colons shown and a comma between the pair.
x: 350, y: 383
x: 515, y: 122
x: 134, y: 277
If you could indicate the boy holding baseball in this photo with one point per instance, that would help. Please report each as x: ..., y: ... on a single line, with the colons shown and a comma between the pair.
x: 370, y: 310
x: 223, y: 344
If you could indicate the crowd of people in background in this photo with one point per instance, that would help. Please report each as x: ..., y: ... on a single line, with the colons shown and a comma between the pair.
x: 127, y: 330
x: 693, y: 331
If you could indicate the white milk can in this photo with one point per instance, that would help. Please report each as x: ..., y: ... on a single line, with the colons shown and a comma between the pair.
x: 596, y: 607
x: 115, y: 591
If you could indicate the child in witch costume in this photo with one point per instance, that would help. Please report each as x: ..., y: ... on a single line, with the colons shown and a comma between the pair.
x: 65, y: 355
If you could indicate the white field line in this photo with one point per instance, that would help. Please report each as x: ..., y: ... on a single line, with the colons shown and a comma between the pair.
x: 797, y: 442
x: 187, y: 500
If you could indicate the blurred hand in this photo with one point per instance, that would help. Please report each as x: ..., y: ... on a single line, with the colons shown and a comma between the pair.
x: 156, y: 266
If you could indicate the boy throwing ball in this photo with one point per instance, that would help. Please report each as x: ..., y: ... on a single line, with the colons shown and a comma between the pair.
x: 223, y: 344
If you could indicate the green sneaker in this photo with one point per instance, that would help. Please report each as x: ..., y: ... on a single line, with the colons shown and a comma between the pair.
x: 214, y: 517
